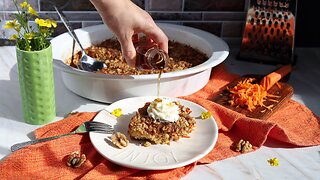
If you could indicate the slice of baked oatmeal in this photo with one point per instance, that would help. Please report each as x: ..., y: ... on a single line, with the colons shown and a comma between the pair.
x: 161, y: 121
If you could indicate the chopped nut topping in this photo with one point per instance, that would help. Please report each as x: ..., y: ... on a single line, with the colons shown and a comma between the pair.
x: 243, y: 146
x: 75, y: 160
x: 120, y: 140
x: 158, y: 100
x: 147, y: 144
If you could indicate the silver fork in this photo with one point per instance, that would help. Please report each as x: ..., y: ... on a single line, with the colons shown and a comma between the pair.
x: 88, y: 126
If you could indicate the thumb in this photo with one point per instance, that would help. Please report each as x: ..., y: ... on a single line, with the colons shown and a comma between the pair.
x: 128, y: 50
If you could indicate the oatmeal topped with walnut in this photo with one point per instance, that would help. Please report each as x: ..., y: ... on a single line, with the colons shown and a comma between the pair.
x: 181, y: 57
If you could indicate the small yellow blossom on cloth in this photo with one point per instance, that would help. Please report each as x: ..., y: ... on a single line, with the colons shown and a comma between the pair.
x: 273, y: 162
x: 206, y: 115
x: 117, y: 112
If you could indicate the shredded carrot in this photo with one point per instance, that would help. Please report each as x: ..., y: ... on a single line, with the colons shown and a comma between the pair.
x: 250, y: 95
x: 186, y: 136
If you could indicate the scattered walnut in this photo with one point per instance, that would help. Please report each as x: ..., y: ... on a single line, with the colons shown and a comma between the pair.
x: 147, y: 144
x: 75, y: 160
x: 243, y: 146
x: 120, y: 140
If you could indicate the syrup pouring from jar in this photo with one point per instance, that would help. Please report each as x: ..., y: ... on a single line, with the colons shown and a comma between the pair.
x: 86, y: 62
x: 150, y: 56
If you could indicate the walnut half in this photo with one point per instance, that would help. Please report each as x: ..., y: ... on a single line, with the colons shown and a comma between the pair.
x: 120, y: 140
x: 243, y: 146
x: 75, y: 160
x: 147, y: 144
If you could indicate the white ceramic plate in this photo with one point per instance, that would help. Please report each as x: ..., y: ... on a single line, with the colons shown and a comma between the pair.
x: 154, y: 157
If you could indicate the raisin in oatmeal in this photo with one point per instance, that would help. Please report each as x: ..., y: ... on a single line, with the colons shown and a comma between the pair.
x: 180, y: 57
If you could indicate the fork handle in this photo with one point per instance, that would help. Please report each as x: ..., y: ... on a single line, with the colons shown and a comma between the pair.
x: 67, y: 25
x: 23, y: 144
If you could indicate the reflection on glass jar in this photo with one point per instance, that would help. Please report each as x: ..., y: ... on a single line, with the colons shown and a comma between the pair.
x: 151, y: 57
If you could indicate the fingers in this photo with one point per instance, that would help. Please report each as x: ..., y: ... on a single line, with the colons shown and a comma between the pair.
x: 135, y: 38
x: 153, y: 33
x: 158, y: 36
x: 128, y: 49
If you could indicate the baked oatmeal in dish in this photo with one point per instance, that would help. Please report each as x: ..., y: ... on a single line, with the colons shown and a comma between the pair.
x: 161, y: 121
x: 181, y: 57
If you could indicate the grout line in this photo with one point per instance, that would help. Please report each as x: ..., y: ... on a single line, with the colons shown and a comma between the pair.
x: 222, y: 29
x: 146, y: 5
x: 72, y: 12
x: 183, y: 2
x: 204, y: 21
x: 39, y: 5
x: 155, y: 11
x: 94, y: 21
x: 8, y: 11
x: 213, y: 12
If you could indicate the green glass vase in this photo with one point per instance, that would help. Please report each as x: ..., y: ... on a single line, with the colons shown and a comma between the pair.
x: 36, y: 85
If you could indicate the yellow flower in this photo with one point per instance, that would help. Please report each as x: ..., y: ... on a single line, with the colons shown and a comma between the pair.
x: 13, y: 37
x: 17, y: 27
x: 41, y: 22
x: 29, y: 35
x: 11, y: 24
x: 24, y: 5
x: 32, y: 11
x: 46, y: 23
x: 205, y: 115
x: 51, y: 23
x: 273, y: 162
x: 117, y: 112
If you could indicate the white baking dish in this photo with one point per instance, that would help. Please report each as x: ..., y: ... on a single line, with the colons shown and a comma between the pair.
x: 110, y: 88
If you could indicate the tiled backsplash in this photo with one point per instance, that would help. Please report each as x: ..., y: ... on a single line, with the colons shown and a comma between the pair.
x: 224, y: 18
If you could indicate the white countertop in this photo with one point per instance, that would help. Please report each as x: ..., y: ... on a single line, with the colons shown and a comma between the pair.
x: 295, y: 163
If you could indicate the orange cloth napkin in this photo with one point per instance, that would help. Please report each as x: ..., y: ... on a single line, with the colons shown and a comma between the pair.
x: 294, y: 124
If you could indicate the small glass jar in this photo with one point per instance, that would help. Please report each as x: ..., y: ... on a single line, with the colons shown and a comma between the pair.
x: 151, y: 57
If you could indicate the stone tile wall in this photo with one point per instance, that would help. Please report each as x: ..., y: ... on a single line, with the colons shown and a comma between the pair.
x: 224, y: 18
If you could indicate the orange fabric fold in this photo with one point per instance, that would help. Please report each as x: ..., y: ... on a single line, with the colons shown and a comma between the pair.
x: 293, y: 123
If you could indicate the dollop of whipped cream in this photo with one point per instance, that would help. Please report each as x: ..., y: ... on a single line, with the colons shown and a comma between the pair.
x: 163, y: 110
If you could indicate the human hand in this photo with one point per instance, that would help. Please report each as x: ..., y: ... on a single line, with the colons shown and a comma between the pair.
x: 126, y: 19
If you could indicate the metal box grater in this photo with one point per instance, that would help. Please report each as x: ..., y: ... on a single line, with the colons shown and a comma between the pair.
x: 269, y: 32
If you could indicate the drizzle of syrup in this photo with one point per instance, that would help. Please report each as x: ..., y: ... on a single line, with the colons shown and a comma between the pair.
x: 150, y: 56
x: 158, y: 84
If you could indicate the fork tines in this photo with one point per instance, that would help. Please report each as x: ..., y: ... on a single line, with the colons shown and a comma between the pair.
x: 99, y: 127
